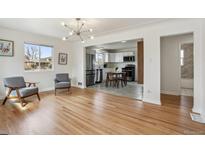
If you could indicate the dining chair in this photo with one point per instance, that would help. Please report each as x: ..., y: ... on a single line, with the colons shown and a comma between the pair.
x: 122, y: 77
x: 111, y: 79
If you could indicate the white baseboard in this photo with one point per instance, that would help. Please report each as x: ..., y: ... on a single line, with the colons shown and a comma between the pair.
x: 52, y: 88
x: 170, y: 92
x: 196, y: 110
x: 46, y: 89
x: 156, y: 101
x: 82, y: 87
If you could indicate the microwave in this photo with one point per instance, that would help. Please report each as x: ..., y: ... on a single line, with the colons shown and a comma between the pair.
x: 128, y: 58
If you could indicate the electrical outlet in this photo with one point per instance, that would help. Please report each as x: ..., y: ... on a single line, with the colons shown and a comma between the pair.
x: 149, y: 91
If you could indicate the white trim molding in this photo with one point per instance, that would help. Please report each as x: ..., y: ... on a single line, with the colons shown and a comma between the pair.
x: 169, y: 92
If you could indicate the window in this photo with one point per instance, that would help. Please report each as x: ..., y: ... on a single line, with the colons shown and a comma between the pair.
x: 182, y: 57
x: 38, y: 57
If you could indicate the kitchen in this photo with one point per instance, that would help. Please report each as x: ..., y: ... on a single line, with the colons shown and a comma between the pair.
x: 114, y: 57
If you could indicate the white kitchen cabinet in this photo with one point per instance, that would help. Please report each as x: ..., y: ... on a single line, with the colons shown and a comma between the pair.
x: 119, y: 57
x: 106, y: 57
x: 116, y: 57
x: 128, y: 54
x: 112, y: 57
x: 131, y: 53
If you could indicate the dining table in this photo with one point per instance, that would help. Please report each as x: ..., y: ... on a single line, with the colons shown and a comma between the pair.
x: 115, y: 77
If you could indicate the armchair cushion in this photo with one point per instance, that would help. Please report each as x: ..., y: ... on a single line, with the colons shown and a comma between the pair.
x: 28, y: 91
x: 14, y: 82
x: 62, y: 85
x: 63, y: 77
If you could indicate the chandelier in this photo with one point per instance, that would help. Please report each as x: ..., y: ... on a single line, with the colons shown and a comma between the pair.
x: 80, y: 30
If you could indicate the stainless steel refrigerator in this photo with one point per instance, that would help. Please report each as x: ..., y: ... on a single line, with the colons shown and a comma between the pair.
x: 90, y: 69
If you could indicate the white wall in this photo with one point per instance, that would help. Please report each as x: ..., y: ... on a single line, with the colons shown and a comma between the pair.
x: 201, y: 105
x: 151, y: 35
x: 170, y: 63
x: 14, y: 66
x: 187, y: 83
x: 78, y: 63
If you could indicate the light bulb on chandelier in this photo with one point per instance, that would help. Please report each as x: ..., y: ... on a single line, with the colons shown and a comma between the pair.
x: 91, y: 37
x: 63, y: 23
x: 71, y: 33
x: 80, y: 30
x: 64, y: 38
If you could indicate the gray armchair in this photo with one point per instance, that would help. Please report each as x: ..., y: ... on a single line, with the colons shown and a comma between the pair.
x: 19, y: 85
x: 62, y: 81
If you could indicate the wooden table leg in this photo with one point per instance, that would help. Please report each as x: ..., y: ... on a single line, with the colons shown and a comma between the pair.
x: 106, y: 83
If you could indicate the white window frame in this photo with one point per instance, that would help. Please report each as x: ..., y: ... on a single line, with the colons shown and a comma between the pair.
x: 182, y: 57
x: 41, y: 70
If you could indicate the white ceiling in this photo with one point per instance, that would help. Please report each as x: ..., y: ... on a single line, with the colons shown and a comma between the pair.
x: 116, y: 46
x: 52, y: 26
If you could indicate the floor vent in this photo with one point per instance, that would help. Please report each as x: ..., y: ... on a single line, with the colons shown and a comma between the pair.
x: 80, y: 83
x: 197, y: 118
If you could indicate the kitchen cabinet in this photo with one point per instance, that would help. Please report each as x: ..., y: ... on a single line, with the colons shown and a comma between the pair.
x: 119, y: 57
x: 112, y: 57
x: 106, y: 57
x: 116, y: 57
x: 128, y: 54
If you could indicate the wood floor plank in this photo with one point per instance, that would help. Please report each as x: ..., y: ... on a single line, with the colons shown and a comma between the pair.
x: 87, y: 111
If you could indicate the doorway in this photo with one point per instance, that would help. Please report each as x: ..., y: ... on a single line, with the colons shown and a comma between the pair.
x: 177, y: 69
x: 187, y: 73
x: 117, y: 59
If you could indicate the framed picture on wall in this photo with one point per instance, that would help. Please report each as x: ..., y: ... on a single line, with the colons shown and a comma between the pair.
x: 62, y: 58
x: 6, y: 48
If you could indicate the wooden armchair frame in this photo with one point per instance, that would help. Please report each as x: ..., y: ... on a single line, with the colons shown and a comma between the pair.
x: 23, y: 102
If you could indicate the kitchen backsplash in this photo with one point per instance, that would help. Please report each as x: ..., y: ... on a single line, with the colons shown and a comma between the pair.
x: 119, y: 65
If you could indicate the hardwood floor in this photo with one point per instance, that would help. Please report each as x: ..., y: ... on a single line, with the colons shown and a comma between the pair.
x: 87, y: 111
